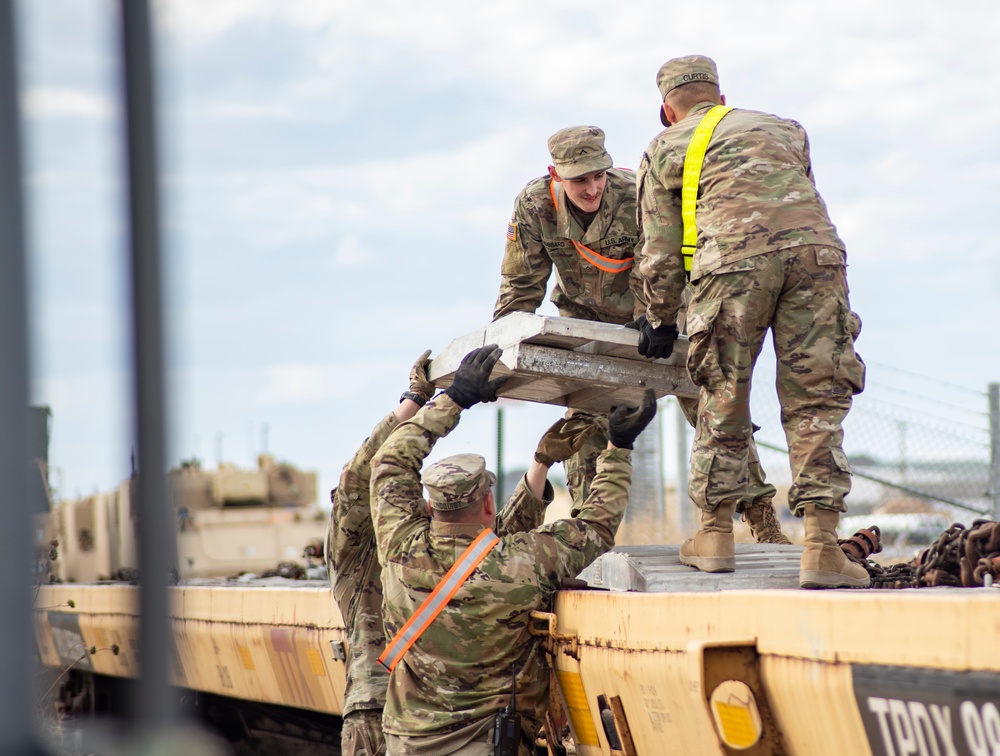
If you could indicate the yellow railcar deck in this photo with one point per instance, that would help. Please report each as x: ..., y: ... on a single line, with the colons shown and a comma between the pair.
x: 716, y: 669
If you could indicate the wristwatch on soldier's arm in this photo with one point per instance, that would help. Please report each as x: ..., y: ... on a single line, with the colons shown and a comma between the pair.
x: 413, y: 396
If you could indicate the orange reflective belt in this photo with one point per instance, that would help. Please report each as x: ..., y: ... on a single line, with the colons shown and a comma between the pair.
x: 607, y: 264
x: 438, y: 599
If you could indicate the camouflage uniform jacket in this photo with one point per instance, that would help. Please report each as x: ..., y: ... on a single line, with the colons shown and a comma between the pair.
x: 459, y: 671
x: 543, y: 236
x: 355, y: 574
x: 756, y: 195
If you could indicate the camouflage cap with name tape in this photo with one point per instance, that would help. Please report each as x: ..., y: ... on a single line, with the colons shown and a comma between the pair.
x: 579, y: 150
x: 456, y: 482
x: 679, y: 71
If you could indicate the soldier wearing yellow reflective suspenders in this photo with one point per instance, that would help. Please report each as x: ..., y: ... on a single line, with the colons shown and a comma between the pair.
x: 580, y: 220
x: 458, y: 595
x: 727, y: 199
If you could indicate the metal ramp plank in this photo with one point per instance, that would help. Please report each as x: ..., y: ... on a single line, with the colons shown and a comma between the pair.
x: 655, y: 569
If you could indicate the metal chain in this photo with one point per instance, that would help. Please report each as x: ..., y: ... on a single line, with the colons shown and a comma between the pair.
x: 959, y: 557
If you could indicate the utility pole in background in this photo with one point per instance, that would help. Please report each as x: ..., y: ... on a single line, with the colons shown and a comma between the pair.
x: 685, y: 518
x: 500, y: 495
x: 993, y: 392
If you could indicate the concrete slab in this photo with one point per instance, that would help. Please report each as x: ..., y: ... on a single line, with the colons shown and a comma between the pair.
x: 571, y: 363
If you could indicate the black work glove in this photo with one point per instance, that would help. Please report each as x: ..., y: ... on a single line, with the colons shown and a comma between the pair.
x: 472, y: 383
x: 565, y: 438
x: 637, y: 324
x: 628, y: 422
x: 658, y: 342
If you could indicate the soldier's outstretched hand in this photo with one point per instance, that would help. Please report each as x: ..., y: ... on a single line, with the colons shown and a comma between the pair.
x: 628, y: 422
x: 472, y: 382
x: 419, y: 382
x: 565, y: 438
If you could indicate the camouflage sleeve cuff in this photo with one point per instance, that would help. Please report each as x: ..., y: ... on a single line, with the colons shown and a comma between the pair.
x: 439, y: 416
x: 524, y: 511
x: 615, y: 456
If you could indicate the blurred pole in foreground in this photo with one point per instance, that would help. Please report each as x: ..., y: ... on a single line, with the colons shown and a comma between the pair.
x: 157, y: 549
x: 17, y: 694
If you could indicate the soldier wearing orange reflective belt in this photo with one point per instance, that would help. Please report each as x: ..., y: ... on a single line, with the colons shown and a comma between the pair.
x: 580, y: 220
x: 458, y: 595
x: 355, y: 573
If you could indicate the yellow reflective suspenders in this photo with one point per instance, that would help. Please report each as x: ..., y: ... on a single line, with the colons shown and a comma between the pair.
x: 438, y: 599
x: 693, y: 161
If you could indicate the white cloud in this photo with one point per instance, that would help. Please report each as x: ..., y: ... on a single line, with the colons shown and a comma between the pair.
x: 322, y: 152
x: 295, y: 384
x: 349, y: 254
x: 55, y: 102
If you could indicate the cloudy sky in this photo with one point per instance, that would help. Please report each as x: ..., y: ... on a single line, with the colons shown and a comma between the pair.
x: 338, y: 175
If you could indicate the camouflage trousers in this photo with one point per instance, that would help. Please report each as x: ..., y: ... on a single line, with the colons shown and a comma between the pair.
x: 582, y: 466
x: 801, y: 295
x: 758, y: 489
x: 475, y: 739
x: 361, y: 734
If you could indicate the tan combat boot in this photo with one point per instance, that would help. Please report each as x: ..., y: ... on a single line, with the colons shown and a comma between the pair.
x: 712, y: 549
x: 824, y: 564
x: 763, y: 522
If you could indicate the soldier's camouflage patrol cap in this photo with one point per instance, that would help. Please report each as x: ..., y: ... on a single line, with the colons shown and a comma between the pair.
x: 678, y: 71
x: 457, y: 481
x: 579, y: 150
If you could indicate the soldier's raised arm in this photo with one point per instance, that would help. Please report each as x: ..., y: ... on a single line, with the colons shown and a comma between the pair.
x: 563, y: 548
x: 526, y: 508
x: 399, y: 512
x: 351, y: 516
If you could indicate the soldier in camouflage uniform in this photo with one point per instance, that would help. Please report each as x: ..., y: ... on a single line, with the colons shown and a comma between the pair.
x: 581, y: 219
x: 352, y: 562
x: 355, y: 578
x: 444, y: 693
x: 767, y: 257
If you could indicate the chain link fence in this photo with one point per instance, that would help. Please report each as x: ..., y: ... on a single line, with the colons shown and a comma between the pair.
x: 922, y: 450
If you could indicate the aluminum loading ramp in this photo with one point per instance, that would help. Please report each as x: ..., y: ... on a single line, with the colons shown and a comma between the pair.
x: 574, y: 363
x: 657, y: 569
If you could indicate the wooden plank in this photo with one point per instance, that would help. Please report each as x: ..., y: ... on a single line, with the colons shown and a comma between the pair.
x: 573, y: 363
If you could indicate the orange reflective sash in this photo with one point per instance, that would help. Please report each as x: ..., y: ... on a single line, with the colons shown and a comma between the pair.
x: 607, y: 264
x: 438, y: 599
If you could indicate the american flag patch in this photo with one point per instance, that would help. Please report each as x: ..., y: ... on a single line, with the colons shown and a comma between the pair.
x: 512, y: 231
